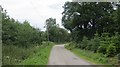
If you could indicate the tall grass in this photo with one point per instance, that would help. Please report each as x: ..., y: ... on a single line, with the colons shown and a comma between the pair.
x: 94, y: 58
x: 39, y: 58
x: 14, y: 55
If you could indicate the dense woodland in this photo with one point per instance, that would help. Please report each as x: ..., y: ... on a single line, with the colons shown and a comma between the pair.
x: 94, y: 26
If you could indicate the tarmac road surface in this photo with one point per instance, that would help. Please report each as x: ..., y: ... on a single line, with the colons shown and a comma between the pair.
x: 61, y: 56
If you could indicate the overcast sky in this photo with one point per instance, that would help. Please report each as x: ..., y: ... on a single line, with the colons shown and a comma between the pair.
x: 35, y: 11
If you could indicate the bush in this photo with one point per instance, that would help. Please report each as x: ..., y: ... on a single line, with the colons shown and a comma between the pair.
x: 89, y: 45
x: 70, y: 45
x: 95, y: 43
x: 111, y: 50
x: 102, y: 48
x: 84, y: 43
x: 109, y: 45
x: 106, y: 44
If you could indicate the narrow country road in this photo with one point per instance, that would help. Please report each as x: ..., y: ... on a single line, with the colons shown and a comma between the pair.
x: 61, y: 56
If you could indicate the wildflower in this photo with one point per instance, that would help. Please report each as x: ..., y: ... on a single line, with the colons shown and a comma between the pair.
x: 7, y: 57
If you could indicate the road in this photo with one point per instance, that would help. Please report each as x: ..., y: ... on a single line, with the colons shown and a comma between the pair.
x: 61, y: 56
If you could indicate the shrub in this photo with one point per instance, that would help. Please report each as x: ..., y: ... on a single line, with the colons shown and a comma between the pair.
x: 84, y: 43
x: 111, y: 50
x: 70, y: 45
x: 95, y: 43
x: 102, y: 48
x: 13, y: 55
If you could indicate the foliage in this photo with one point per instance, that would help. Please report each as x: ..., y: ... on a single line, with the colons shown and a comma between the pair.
x: 20, y: 40
x: 93, y: 58
x: 86, y: 18
x: 94, y: 26
x: 111, y: 50
x: 106, y: 44
x: 20, y: 34
x: 94, y: 43
x: 55, y: 33
x: 13, y: 55
x: 41, y: 57
x: 70, y: 45
x: 87, y: 54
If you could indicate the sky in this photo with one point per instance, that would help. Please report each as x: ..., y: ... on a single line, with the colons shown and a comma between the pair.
x: 34, y: 11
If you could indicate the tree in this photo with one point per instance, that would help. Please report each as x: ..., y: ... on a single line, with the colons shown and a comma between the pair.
x: 87, y: 18
x: 54, y: 32
x: 84, y: 19
x: 19, y: 34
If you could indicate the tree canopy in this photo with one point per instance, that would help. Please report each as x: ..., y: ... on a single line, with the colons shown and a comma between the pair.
x: 55, y: 33
x: 94, y: 26
x: 86, y: 18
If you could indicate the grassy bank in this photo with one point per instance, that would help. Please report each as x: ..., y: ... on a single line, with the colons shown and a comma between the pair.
x: 93, y: 58
x: 40, y: 57
x: 36, y: 55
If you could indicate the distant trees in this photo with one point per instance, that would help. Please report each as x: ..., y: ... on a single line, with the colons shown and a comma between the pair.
x: 85, y: 19
x: 55, y: 33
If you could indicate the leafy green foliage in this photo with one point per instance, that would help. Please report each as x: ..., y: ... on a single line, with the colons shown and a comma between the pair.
x: 93, y: 58
x: 88, y: 55
x: 111, y: 50
x: 94, y: 26
x: 70, y: 45
x: 55, y: 33
x: 20, y: 34
x: 94, y: 43
x: 20, y: 40
x: 84, y: 43
x: 87, y: 18
x: 13, y: 55
x: 105, y: 44
x: 41, y: 57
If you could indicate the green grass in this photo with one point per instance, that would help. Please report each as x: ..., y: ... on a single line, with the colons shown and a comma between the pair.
x: 93, y: 58
x: 39, y: 58
x: 15, y: 55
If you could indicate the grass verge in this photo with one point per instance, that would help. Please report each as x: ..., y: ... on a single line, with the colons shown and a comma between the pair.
x: 93, y: 58
x: 34, y: 55
x: 87, y: 55
x: 40, y: 57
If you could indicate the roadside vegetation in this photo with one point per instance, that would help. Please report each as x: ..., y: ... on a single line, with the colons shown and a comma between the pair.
x: 36, y: 55
x: 93, y: 58
x: 95, y: 30
x: 40, y: 57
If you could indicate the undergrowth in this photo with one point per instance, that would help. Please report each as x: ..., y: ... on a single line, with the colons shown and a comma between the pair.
x: 14, y: 55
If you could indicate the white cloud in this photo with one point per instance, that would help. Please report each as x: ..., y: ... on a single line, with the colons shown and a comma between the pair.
x: 35, y: 11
